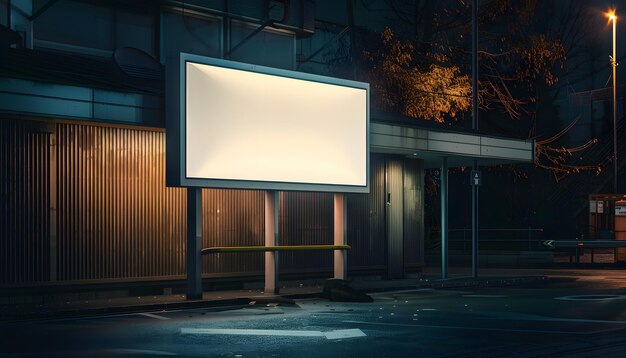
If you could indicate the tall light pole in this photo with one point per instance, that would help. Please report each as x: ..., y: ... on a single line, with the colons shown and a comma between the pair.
x: 612, y: 17
x: 614, y: 65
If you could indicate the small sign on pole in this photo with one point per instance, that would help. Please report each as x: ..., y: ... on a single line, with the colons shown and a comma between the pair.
x: 476, y: 178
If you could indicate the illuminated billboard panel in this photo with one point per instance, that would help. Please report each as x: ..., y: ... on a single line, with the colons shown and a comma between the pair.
x: 244, y: 126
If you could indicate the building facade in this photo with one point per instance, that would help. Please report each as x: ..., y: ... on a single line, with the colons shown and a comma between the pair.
x: 82, y: 149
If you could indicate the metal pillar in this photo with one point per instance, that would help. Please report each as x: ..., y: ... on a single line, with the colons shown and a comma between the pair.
x: 475, y: 226
x: 339, y: 234
x: 474, y: 126
x: 194, y: 243
x: 271, y: 239
x: 444, y: 217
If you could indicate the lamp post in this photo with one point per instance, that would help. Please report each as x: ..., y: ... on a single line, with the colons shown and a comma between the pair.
x: 612, y: 17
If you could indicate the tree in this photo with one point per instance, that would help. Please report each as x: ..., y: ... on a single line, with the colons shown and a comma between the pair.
x: 422, y: 73
x: 433, y: 90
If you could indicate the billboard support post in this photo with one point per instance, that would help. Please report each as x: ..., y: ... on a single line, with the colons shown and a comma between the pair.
x: 194, y: 243
x: 340, y: 237
x: 271, y: 239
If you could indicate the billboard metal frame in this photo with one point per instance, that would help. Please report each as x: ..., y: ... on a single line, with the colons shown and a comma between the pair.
x: 176, y: 127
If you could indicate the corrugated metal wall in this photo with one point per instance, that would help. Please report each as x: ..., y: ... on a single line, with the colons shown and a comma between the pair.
x: 232, y: 218
x: 306, y: 219
x: 366, y: 220
x: 24, y: 224
x: 368, y: 216
x: 115, y: 218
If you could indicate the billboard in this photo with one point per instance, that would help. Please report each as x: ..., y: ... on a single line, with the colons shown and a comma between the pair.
x: 236, y: 125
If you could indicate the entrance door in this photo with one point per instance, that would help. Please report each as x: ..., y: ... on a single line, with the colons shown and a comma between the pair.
x: 394, y: 185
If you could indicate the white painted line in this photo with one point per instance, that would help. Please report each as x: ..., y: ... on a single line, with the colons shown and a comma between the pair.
x: 337, y: 334
x: 152, y: 315
x: 251, y: 332
x: 344, y: 333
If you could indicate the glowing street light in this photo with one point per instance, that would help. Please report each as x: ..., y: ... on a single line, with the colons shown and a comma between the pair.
x: 613, y: 18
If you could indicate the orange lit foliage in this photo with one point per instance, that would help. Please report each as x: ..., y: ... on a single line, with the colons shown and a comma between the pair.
x: 433, y: 91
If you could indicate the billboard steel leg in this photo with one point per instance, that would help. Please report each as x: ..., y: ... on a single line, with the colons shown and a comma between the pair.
x: 271, y: 239
x: 340, y: 237
x: 194, y: 243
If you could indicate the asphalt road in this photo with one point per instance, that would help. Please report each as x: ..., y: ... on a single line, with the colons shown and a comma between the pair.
x: 571, y: 316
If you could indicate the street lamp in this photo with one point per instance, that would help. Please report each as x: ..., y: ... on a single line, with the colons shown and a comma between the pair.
x: 613, y: 17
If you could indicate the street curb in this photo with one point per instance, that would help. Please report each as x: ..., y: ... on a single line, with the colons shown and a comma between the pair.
x: 449, y: 283
x: 240, y: 302
x: 462, y: 283
x: 111, y: 310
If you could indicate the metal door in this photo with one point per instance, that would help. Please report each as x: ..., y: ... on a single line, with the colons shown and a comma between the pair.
x: 394, y: 184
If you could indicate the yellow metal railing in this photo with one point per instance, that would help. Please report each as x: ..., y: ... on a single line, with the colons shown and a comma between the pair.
x: 217, y: 250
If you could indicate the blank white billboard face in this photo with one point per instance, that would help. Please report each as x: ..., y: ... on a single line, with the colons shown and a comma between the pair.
x: 250, y: 126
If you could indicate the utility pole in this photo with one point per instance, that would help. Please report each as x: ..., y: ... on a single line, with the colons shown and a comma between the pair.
x: 474, y: 127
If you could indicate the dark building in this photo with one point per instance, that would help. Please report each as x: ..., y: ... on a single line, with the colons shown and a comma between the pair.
x: 83, y: 198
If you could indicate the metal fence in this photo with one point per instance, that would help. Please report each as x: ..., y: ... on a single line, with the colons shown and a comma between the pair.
x: 503, y: 239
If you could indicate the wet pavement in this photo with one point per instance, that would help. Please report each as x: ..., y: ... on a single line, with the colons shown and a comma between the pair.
x: 577, y: 313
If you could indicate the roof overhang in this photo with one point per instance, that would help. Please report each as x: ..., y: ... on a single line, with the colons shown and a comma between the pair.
x: 461, y: 149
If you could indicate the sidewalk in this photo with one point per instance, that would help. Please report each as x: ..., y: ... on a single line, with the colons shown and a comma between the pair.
x: 222, y: 300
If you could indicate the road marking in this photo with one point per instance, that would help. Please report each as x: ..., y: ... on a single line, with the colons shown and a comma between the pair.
x: 344, y: 333
x: 485, y: 296
x: 469, y: 328
x: 336, y: 334
x: 152, y: 315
